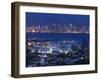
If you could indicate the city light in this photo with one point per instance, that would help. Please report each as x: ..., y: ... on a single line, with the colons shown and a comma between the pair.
x: 58, y: 28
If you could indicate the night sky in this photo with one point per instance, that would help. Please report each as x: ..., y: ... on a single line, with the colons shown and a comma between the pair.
x: 48, y: 18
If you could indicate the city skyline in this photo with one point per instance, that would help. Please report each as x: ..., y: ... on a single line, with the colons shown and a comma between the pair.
x: 57, y: 28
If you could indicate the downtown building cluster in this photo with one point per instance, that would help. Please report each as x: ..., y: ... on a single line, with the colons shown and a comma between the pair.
x: 58, y: 28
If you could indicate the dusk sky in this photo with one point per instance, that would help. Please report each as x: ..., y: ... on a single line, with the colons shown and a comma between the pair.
x: 48, y: 18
